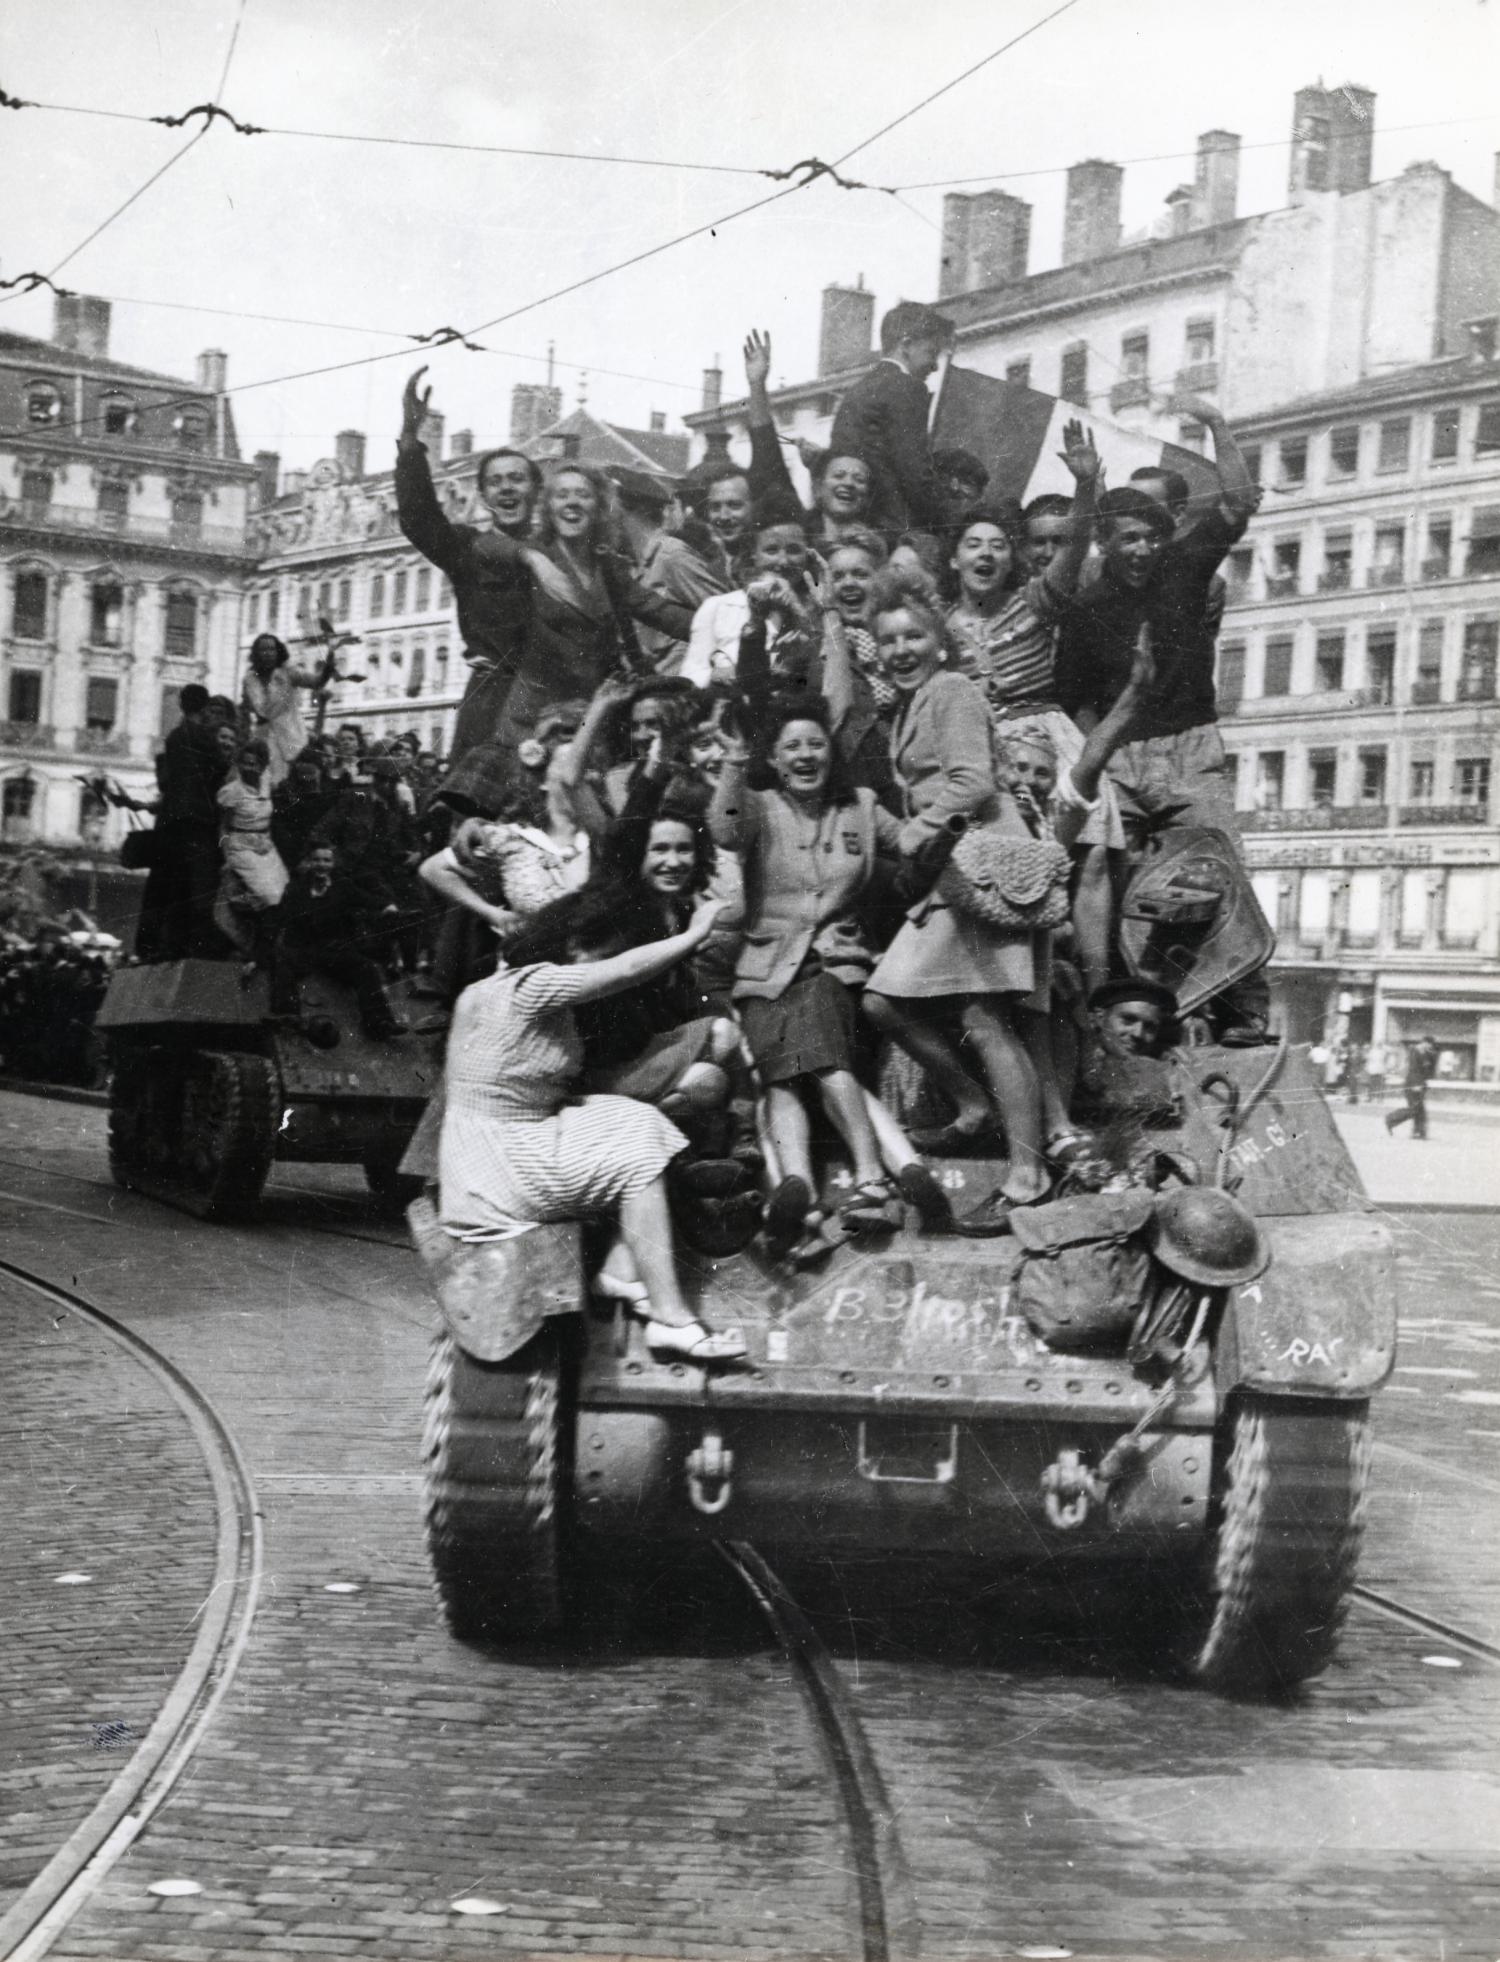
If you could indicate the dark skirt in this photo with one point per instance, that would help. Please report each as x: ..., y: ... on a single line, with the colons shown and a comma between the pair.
x: 809, y: 1028
x: 659, y: 1067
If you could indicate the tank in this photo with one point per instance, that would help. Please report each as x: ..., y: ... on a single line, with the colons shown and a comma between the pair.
x: 1175, y: 1394
x: 208, y: 1089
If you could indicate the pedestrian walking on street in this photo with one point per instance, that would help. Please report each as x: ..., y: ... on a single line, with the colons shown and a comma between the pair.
x: 1421, y: 1061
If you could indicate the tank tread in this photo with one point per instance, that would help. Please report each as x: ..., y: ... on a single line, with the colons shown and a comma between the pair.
x: 201, y: 1136
x: 1289, y: 1517
x: 493, y: 1489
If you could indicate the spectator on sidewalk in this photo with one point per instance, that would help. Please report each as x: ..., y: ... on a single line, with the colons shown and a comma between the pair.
x: 1421, y: 1061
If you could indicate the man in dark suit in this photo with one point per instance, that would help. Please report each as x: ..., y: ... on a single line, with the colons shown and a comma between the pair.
x: 883, y: 419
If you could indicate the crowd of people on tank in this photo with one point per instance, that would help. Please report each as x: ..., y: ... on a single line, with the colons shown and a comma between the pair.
x: 766, y: 822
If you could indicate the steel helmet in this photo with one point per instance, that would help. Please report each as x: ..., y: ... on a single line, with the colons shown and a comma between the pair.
x: 1207, y: 1236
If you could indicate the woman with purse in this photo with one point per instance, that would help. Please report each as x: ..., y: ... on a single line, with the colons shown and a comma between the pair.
x: 949, y: 972
x: 808, y: 845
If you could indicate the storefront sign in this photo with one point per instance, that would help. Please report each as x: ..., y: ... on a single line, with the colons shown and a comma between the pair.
x: 1394, y: 851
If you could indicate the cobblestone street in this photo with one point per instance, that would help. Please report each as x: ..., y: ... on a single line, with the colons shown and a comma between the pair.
x: 660, y: 1790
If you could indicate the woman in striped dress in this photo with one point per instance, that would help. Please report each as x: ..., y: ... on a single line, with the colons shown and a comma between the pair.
x: 520, y: 1147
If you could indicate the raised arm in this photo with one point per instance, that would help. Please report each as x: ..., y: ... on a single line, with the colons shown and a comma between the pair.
x: 596, y: 980
x: 1079, y: 791
x: 769, y: 479
x: 441, y: 872
x: 421, y: 517
x: 1082, y: 460
x: 1239, y: 492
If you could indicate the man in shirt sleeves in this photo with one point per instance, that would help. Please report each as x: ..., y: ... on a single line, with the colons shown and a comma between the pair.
x: 491, y: 582
x: 883, y: 418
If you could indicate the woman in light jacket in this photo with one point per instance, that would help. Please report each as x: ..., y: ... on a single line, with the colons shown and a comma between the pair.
x: 947, y: 973
x: 269, y: 709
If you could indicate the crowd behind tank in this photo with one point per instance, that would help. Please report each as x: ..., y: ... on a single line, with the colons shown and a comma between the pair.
x: 839, y: 798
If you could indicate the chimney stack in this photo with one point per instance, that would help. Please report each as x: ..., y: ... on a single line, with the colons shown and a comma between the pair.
x: 461, y: 443
x: 986, y: 241
x: 431, y: 433
x: 847, y: 331
x: 349, y: 448
x: 80, y: 323
x: 1180, y: 213
x: 213, y: 370
x: 267, y: 477
x: 1333, y: 140
x: 1216, y: 178
x: 534, y: 406
x: 713, y: 382
x: 295, y: 484
x: 1091, y: 219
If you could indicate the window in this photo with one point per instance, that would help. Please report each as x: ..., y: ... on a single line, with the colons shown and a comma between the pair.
x: 1322, y: 777
x: 93, y: 814
x: 1380, y: 664
x: 101, y: 705
x: 1018, y: 373
x: 1193, y: 436
x: 1471, y: 780
x: 325, y: 597
x: 1278, y: 676
x: 106, y: 614
x: 1439, y: 554
x: 36, y: 491
x: 345, y: 596
x: 1395, y: 443
x: 1476, y: 679
x: 43, y: 404
x: 187, y: 513
x: 252, y: 612
x: 1198, y: 345
x: 1338, y: 562
x: 1445, y: 434
x: 1251, y: 453
x: 181, y: 635
x: 1388, y: 567
x: 171, y: 710
x: 273, y: 607
x: 1268, y: 889
x: 1422, y: 781
x: 191, y: 427
x: 1237, y: 573
x: 120, y: 418
x: 1372, y: 776
x: 1135, y: 356
x: 1411, y: 929
x: 377, y: 596
x: 1293, y: 460
x: 1314, y: 908
x: 1343, y: 450
x: 1464, y: 895
x: 1328, y: 662
x: 1231, y: 678
x: 15, y: 807
x: 25, y: 696
x: 416, y: 680
x: 440, y: 666
x: 1427, y: 682
x: 29, y: 619
x: 1286, y: 566
x: 1270, y: 779
x: 1363, y: 927
x: 1487, y: 434
x: 114, y: 503
x: 445, y: 584
x: 1074, y: 386
x: 398, y: 593
x: 424, y: 588
x: 1484, y: 543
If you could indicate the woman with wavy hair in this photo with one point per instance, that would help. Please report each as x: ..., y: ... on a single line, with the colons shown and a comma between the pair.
x: 269, y: 709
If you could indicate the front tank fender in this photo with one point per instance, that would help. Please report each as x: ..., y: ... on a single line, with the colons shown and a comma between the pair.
x: 1321, y: 1320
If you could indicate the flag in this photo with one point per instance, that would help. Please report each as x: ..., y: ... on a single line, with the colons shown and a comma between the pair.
x: 1017, y: 434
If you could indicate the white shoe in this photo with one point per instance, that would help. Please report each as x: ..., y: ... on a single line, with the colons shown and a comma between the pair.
x: 692, y: 1342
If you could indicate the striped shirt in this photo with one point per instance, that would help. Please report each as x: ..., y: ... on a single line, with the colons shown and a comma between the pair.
x: 1009, y: 653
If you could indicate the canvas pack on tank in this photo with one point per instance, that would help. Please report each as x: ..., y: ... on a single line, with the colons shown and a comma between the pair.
x: 209, y: 1089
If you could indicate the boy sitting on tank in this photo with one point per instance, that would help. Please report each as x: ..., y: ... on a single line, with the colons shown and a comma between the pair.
x: 325, y: 923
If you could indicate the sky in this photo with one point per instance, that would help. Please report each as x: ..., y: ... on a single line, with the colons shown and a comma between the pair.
x: 390, y: 240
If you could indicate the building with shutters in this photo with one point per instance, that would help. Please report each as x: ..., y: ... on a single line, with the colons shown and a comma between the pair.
x: 123, y: 503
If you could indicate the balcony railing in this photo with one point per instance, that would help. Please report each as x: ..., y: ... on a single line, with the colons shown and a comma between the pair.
x: 1387, y: 575
x: 1334, y: 579
x: 1483, y: 565
x: 1443, y: 814
x: 1134, y: 392
x: 1425, y: 693
x: 1435, y: 568
x: 26, y: 735
x: 1281, y: 585
x: 148, y: 531
x: 1323, y: 701
x: 1197, y: 377
x: 1322, y: 817
x: 102, y: 742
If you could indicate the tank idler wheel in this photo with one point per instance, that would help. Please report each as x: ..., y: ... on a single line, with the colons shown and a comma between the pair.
x: 496, y: 1488
x: 1288, y: 1515
x: 228, y: 1137
x: 392, y: 1189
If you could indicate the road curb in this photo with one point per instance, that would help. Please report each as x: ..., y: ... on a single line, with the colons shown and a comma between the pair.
x: 60, y: 1093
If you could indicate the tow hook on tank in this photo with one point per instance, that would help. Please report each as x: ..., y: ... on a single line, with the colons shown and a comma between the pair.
x: 710, y: 1474
x: 1070, y: 1487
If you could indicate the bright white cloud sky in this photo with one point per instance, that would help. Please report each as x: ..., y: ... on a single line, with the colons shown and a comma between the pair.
x: 409, y: 240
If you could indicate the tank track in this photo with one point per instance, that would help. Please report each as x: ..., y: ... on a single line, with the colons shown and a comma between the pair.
x: 198, y: 1132
x: 494, y: 1488
x: 1289, y: 1516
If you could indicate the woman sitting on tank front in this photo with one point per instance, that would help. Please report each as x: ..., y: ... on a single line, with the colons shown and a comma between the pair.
x: 520, y: 1147
x: 808, y: 845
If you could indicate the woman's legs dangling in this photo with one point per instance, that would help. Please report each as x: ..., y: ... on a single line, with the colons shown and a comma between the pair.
x: 1013, y: 1084
x: 844, y: 1101
x: 1035, y: 1032
x: 646, y: 1229
x: 910, y: 1025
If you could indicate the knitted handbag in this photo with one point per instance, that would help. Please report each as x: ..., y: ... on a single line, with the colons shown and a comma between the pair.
x: 1007, y: 881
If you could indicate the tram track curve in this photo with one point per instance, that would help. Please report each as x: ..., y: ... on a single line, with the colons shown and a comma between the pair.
x: 110, y: 1828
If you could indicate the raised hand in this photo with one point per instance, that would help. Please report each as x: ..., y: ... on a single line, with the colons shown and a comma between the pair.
x: 705, y: 913
x: 757, y: 357
x: 415, y: 402
x: 1079, y: 454
x: 770, y: 593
